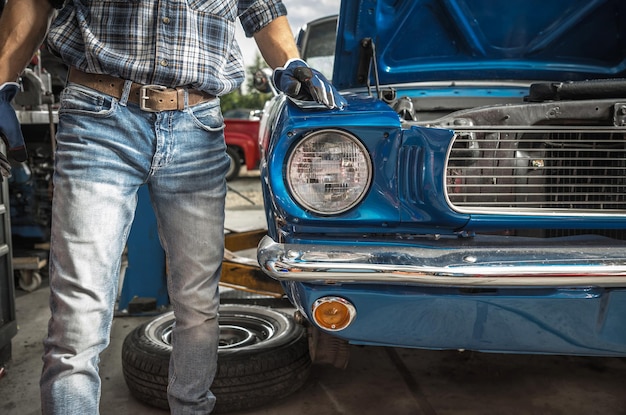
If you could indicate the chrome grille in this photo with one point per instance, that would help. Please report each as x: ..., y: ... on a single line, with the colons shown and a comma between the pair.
x: 549, y: 170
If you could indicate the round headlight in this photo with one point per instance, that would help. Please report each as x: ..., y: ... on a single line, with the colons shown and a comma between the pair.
x: 329, y: 172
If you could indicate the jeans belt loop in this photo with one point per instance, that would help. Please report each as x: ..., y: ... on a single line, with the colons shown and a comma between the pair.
x: 126, y: 93
x: 183, y: 98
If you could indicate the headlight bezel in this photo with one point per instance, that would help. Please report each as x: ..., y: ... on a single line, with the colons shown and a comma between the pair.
x: 358, y: 194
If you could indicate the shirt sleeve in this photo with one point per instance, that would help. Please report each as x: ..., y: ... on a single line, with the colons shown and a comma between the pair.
x: 255, y: 15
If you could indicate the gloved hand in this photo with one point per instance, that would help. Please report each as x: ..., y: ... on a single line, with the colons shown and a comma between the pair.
x: 299, y: 81
x: 10, y: 130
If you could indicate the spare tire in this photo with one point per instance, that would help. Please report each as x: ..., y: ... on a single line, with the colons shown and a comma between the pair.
x: 263, y: 356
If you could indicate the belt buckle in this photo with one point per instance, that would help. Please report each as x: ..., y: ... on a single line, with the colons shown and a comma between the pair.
x: 144, y: 96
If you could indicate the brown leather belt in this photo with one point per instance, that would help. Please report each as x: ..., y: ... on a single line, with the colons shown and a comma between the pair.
x: 152, y: 98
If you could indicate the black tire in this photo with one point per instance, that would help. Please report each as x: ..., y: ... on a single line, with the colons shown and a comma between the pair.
x: 235, y: 163
x: 263, y: 356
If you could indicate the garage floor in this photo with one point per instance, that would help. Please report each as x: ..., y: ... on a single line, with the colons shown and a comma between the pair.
x: 377, y: 381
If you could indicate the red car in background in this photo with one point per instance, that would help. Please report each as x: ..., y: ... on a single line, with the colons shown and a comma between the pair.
x: 241, y: 135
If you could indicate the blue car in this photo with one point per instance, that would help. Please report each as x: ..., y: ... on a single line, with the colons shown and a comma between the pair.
x: 472, y: 193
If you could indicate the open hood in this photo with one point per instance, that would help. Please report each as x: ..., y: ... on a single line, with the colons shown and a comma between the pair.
x: 448, y: 40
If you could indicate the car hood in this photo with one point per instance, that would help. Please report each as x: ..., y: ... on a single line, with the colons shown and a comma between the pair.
x: 435, y: 40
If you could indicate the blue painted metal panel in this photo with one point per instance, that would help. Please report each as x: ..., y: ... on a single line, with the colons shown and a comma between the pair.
x: 583, y: 321
x: 425, y: 40
x: 146, y: 275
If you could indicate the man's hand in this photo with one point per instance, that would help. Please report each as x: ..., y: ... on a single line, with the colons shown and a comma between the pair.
x: 299, y: 81
x: 10, y: 129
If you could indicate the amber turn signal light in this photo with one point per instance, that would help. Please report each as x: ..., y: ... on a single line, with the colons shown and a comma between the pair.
x: 333, y: 313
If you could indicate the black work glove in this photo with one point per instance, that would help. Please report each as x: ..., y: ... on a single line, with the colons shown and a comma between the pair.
x: 299, y: 81
x: 10, y: 130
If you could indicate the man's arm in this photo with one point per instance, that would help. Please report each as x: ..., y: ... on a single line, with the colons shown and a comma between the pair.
x: 276, y: 42
x: 23, y: 27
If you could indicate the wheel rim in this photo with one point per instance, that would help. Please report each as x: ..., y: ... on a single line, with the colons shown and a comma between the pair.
x: 231, y: 336
x: 238, y: 329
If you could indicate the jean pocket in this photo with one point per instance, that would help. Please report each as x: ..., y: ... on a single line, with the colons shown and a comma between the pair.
x: 76, y: 99
x: 208, y: 115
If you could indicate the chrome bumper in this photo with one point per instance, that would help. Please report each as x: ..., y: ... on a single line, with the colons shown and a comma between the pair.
x: 598, y: 262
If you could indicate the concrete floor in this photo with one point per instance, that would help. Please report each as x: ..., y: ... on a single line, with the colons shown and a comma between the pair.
x: 377, y: 381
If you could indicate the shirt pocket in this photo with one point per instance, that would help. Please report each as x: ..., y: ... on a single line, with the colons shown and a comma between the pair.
x: 225, y: 9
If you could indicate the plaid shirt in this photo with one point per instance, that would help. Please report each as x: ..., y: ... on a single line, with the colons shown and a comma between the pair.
x: 162, y: 42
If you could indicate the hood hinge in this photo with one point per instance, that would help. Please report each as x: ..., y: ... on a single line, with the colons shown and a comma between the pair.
x: 367, y: 63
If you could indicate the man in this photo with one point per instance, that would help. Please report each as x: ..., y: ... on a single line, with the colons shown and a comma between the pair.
x: 141, y: 107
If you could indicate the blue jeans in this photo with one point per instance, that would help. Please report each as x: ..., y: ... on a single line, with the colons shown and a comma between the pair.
x: 107, y: 149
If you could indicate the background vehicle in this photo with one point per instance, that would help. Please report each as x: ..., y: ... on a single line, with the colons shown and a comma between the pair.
x: 471, y: 194
x: 243, y: 113
x: 242, y: 141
